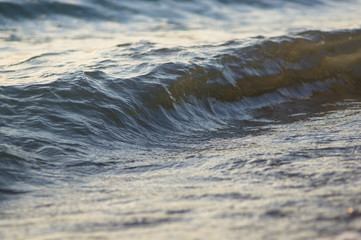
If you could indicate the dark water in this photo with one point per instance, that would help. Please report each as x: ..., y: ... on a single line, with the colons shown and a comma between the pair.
x: 180, y: 119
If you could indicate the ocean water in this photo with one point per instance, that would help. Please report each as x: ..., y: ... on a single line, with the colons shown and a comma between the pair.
x: 195, y: 119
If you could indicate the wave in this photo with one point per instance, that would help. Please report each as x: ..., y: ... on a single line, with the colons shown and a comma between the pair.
x: 228, y: 73
x: 167, y: 97
x: 113, y: 10
x: 17, y: 10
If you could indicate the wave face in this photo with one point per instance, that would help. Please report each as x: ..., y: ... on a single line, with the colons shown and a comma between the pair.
x: 161, y: 97
x: 148, y: 114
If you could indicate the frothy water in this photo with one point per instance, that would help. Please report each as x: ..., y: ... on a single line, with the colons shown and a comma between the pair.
x: 185, y: 120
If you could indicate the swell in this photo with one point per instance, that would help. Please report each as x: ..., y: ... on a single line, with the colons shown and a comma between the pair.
x: 160, y: 91
x: 105, y: 10
x: 112, y: 10
x: 167, y: 98
x: 17, y: 10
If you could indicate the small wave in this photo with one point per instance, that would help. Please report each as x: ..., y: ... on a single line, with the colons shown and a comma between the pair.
x: 161, y: 87
x: 166, y: 95
x: 113, y: 10
x: 17, y: 10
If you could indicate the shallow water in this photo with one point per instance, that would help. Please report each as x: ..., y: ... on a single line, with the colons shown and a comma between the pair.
x: 185, y: 120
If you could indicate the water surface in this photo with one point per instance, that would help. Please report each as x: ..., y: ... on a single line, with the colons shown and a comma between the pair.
x: 184, y: 120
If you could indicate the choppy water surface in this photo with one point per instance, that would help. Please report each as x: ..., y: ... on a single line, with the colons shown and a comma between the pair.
x: 180, y: 119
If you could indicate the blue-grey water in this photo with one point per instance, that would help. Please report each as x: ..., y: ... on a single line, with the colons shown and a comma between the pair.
x: 164, y: 119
